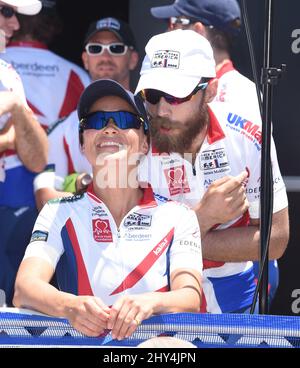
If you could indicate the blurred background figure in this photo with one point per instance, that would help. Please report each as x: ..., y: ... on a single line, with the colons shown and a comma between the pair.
x: 52, y: 84
x: 23, y: 152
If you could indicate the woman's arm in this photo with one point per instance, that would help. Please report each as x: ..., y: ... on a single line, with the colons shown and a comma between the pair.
x: 87, y: 314
x: 128, y: 311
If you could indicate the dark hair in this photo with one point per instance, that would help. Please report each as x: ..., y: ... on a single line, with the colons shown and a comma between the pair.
x: 222, y: 40
x: 81, y: 130
x: 43, y: 27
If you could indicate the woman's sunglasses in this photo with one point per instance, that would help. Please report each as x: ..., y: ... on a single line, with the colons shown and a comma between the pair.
x: 116, y: 49
x: 153, y: 96
x: 7, y: 11
x: 122, y: 119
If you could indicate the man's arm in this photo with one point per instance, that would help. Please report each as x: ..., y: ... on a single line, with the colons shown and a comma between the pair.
x: 242, y: 243
x: 31, y: 140
x: 8, y: 138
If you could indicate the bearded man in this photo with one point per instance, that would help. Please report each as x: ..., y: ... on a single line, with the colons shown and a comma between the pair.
x: 208, y: 155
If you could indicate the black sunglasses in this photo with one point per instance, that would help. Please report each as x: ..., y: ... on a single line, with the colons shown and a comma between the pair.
x: 122, y: 119
x: 153, y: 96
x: 7, y: 11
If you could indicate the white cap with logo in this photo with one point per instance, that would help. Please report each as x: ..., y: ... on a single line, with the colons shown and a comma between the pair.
x: 175, y: 62
x: 28, y: 7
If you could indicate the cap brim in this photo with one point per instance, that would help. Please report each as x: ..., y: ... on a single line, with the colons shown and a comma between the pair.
x: 27, y: 7
x: 168, y: 82
x: 100, y: 30
x: 165, y: 12
x: 101, y: 88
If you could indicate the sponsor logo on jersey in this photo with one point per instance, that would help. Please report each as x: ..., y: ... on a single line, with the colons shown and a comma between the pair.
x: 161, y: 246
x: 161, y: 198
x: 190, y: 244
x: 213, y: 159
x: 207, y: 183
x: 39, y: 235
x: 250, y: 130
x: 102, y: 231
x: 136, y: 219
x: 98, y: 211
x: 166, y: 59
x: 35, y: 69
x: 168, y: 161
x: 255, y: 191
x: 137, y: 237
x: 177, y: 180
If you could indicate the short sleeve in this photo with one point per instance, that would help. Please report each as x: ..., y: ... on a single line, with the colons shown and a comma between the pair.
x: 186, y: 248
x: 46, y: 242
x: 254, y: 185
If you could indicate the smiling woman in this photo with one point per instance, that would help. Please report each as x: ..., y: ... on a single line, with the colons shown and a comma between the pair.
x: 117, y: 250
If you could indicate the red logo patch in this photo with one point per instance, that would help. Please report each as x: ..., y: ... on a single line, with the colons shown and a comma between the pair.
x: 176, y: 179
x: 102, y: 231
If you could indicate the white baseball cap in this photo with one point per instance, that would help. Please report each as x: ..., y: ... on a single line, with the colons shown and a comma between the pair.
x: 175, y: 62
x: 28, y: 7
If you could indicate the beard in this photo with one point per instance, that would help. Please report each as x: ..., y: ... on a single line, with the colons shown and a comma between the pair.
x: 182, y: 141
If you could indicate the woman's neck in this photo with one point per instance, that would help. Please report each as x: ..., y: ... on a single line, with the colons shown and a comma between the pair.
x: 119, y: 196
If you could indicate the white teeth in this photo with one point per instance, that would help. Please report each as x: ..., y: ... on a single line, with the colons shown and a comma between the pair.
x: 109, y: 144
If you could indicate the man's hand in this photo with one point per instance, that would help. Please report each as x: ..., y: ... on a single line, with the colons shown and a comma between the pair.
x: 224, y: 200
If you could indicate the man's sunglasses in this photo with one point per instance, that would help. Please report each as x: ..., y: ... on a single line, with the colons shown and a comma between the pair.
x: 173, y: 21
x: 122, y: 119
x: 183, y: 22
x: 153, y: 96
x: 7, y: 11
x: 115, y: 49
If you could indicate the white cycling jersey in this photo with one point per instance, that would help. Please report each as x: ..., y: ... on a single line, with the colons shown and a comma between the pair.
x: 234, y: 87
x: 9, y: 81
x: 64, y: 148
x: 92, y: 256
x: 52, y: 84
x: 232, y: 145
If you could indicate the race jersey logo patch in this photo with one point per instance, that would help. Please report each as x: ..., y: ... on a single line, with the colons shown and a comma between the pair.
x: 176, y: 180
x: 213, y: 159
x: 39, y: 235
x: 166, y: 59
x: 136, y: 219
x: 98, y: 212
x: 102, y: 231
